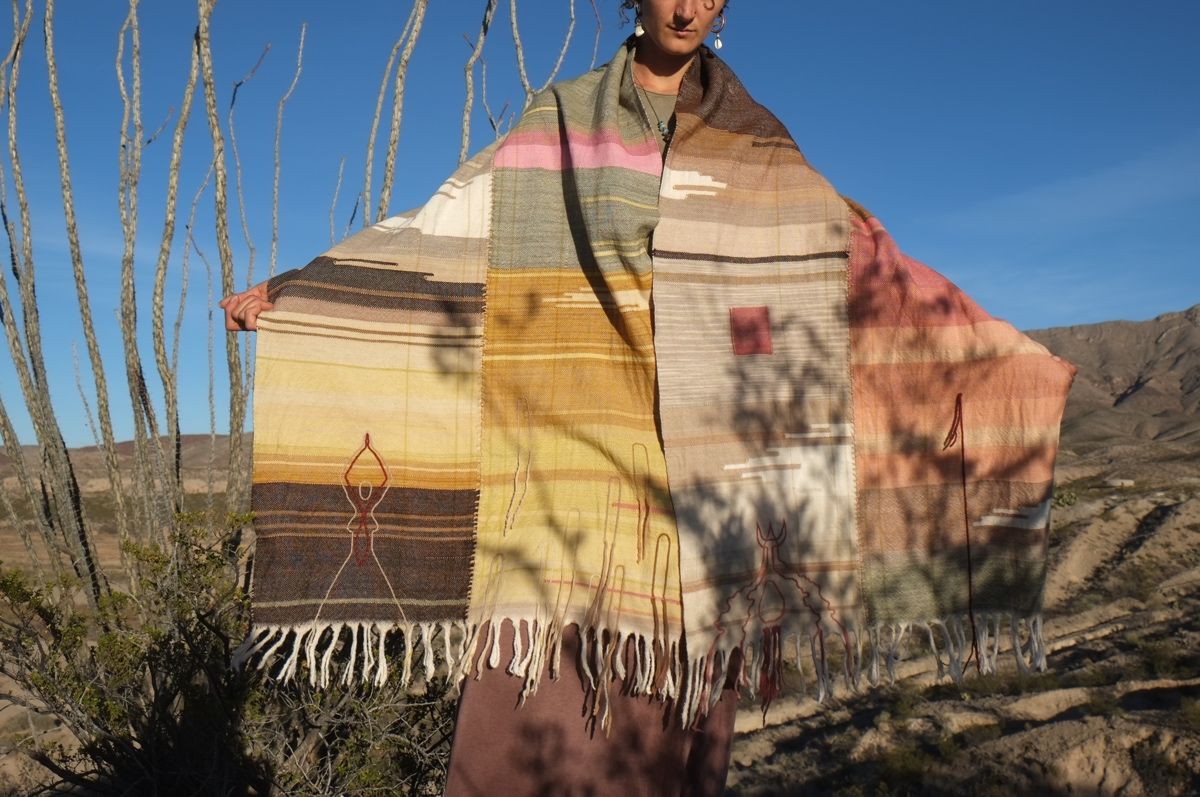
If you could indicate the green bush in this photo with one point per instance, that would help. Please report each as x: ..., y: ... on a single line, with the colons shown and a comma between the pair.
x: 1065, y: 497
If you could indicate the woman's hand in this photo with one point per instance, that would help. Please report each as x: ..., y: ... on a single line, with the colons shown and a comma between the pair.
x: 242, y: 309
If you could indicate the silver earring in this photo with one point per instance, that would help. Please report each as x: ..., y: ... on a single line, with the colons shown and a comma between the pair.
x: 720, y: 26
x: 638, y: 30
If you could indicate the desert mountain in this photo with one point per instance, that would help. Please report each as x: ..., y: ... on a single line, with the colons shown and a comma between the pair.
x: 1137, y: 393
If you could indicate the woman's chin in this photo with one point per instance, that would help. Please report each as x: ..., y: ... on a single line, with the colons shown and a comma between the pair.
x: 678, y: 48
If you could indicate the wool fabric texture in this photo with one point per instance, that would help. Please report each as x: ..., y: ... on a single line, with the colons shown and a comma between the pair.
x: 691, y: 408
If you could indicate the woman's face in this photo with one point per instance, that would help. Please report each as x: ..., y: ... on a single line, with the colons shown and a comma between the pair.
x: 678, y: 27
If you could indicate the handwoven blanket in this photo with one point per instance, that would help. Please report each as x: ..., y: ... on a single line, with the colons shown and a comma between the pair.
x: 690, y: 408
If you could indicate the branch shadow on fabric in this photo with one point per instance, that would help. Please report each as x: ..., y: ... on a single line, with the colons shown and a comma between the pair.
x: 962, y: 411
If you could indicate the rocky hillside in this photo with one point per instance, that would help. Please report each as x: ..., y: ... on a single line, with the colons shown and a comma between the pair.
x: 196, y: 452
x: 1138, y: 384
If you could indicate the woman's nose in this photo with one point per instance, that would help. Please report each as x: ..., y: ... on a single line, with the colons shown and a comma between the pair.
x: 685, y: 11
x: 688, y: 10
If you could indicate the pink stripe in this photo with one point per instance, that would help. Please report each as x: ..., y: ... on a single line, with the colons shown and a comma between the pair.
x: 544, y: 150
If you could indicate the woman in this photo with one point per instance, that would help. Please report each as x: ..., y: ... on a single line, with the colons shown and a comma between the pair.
x: 631, y: 409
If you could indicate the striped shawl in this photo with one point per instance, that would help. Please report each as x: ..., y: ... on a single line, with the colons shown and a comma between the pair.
x: 690, y: 408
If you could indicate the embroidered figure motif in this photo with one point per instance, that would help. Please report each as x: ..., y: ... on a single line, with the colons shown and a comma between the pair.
x: 365, y: 484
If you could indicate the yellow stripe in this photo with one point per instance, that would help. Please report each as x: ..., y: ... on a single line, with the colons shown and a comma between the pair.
x: 561, y: 356
x: 578, y: 345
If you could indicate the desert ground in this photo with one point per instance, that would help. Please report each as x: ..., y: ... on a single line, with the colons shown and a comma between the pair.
x: 1116, y: 713
x: 1118, y: 710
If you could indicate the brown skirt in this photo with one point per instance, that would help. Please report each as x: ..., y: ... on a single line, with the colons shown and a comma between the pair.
x: 549, y: 747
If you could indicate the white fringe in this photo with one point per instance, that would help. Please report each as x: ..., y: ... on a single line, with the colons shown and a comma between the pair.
x: 286, y: 649
x: 695, y: 686
x: 406, y: 674
x: 953, y: 656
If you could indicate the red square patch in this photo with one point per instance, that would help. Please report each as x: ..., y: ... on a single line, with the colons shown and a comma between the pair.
x: 750, y: 330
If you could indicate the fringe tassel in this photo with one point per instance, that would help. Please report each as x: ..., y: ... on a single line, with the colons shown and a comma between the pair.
x: 771, y: 671
x: 858, y: 660
x: 824, y: 687
x: 270, y: 652
x: 937, y: 656
x: 952, y: 656
x: 368, y: 657
x: 494, y: 649
x: 800, y: 662
x: 251, y: 646
x: 313, y: 647
x: 348, y: 673
x: 406, y: 673
x: 289, y: 665
x: 381, y: 671
x: 323, y: 676
x: 695, y: 685
x: 427, y: 646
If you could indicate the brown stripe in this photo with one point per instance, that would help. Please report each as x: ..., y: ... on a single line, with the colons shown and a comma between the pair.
x: 306, y: 324
x: 300, y: 331
x: 283, y: 513
x: 373, y: 292
x: 382, y: 533
x: 314, y: 568
x: 712, y: 258
x: 437, y: 526
x: 780, y: 144
x: 325, y: 273
x: 271, y: 497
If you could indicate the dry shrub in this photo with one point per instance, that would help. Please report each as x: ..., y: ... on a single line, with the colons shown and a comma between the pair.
x: 145, y: 684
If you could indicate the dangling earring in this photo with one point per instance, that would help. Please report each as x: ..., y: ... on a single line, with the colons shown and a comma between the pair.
x: 638, y: 30
x: 720, y: 26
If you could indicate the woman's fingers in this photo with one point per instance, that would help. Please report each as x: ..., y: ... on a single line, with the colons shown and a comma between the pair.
x: 242, y: 309
x: 249, y: 310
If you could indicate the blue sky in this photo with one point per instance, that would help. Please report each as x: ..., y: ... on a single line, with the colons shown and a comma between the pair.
x: 1043, y: 155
